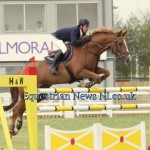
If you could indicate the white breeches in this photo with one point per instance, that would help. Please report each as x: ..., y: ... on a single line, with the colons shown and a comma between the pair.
x: 59, y: 44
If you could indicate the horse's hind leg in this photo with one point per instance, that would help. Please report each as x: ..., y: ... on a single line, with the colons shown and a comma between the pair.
x: 17, y: 112
x: 12, y: 126
x: 19, y: 121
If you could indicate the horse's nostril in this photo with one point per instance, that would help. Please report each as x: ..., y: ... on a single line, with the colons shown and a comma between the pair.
x: 127, y: 60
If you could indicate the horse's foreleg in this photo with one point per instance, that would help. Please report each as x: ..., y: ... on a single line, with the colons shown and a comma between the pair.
x: 106, y: 73
x: 95, y: 78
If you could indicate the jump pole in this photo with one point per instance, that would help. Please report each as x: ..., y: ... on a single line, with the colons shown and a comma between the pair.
x: 94, y: 107
x: 29, y: 83
x: 94, y: 90
x: 31, y: 107
x: 5, y: 127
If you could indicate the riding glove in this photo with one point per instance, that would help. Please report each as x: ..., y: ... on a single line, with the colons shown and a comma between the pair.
x: 87, y: 39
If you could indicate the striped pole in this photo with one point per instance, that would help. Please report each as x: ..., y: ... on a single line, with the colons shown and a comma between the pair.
x: 5, y: 127
x: 93, y: 90
x: 94, y: 107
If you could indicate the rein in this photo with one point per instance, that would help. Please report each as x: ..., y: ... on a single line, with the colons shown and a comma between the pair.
x: 91, y: 52
x: 116, y: 51
x: 88, y: 50
x: 115, y: 47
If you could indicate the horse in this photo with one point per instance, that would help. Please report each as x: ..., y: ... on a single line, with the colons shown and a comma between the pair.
x: 83, y: 64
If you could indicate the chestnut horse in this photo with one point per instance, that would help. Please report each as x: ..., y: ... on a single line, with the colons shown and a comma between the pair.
x: 83, y: 64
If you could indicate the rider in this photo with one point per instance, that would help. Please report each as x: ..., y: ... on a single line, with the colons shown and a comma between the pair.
x: 72, y: 35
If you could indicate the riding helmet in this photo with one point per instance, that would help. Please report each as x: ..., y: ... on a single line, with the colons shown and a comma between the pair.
x: 84, y: 22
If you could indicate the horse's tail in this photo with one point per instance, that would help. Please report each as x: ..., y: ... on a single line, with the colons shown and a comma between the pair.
x: 14, y: 95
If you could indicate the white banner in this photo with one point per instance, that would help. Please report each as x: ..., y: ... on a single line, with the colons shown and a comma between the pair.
x: 23, y: 47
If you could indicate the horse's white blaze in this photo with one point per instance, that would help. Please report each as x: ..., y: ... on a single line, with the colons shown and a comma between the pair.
x: 128, y: 57
x: 126, y: 45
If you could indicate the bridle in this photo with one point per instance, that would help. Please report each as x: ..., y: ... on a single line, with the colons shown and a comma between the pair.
x: 117, y: 51
x: 115, y: 48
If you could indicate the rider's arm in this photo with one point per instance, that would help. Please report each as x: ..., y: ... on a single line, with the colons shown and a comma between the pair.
x: 74, y: 39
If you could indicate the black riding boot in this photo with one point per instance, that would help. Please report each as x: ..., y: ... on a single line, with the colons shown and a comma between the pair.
x: 58, y: 57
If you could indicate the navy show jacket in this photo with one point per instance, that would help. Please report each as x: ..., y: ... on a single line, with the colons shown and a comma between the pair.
x: 71, y: 34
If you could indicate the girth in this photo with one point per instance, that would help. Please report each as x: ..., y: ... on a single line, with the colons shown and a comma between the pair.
x: 73, y: 79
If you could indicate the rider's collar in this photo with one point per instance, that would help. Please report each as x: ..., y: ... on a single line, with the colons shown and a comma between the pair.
x: 81, y: 33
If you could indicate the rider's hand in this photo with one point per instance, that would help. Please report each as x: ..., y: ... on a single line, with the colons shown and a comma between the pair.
x: 87, y: 39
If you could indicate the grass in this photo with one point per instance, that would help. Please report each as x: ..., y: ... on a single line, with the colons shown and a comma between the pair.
x: 20, y: 142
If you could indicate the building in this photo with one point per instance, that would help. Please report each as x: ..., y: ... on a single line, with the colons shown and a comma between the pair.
x: 40, y: 18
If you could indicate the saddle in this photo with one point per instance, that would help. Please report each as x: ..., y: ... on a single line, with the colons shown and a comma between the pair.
x: 67, y: 56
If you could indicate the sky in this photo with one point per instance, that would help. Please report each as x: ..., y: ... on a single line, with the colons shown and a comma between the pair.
x: 126, y: 7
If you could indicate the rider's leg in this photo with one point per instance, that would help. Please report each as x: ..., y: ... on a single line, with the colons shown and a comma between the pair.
x: 58, y: 56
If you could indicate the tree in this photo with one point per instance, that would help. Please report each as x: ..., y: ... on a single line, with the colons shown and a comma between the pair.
x: 138, y: 41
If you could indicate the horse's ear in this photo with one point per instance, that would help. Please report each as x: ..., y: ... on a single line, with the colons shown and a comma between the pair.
x: 119, y: 33
x: 124, y: 32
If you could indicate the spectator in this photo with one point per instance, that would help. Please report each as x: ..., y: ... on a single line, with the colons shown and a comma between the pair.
x: 6, y: 27
x: 19, y: 27
x: 39, y: 26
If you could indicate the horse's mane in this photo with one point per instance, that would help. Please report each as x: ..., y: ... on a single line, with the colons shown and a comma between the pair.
x: 105, y: 30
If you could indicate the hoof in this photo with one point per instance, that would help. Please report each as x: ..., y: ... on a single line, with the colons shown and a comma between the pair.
x: 19, y: 125
x: 12, y: 131
x: 89, y: 84
x: 103, y: 78
x: 82, y: 84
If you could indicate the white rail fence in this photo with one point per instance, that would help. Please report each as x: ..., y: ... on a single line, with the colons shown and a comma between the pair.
x: 46, y: 104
